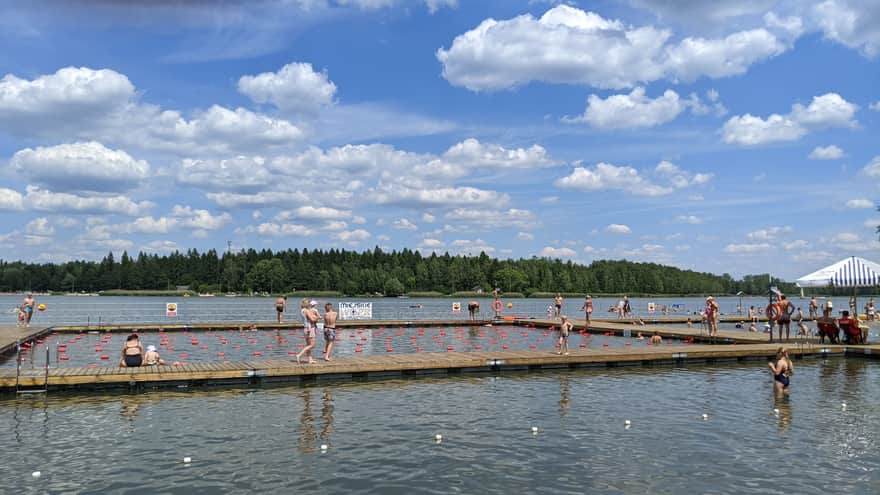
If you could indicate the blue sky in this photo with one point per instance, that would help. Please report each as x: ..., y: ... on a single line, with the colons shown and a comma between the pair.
x: 729, y: 136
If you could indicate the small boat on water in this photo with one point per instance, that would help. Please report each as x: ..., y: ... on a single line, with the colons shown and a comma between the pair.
x: 231, y: 294
x: 416, y: 306
x: 209, y: 294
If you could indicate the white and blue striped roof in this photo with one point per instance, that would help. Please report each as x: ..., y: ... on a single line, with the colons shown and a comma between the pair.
x: 851, y: 272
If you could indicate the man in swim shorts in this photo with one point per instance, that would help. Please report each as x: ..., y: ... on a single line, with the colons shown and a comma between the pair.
x: 473, y: 308
x: 329, y: 330
x: 28, y: 306
x: 280, y: 306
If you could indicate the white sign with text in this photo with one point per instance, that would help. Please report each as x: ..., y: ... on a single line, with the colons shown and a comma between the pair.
x: 355, y: 310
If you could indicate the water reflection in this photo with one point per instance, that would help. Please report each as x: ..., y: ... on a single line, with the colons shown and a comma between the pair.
x: 326, y: 416
x: 564, y: 387
x: 782, y: 403
x: 307, y: 436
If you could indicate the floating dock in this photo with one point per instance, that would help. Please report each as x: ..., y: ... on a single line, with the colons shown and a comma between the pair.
x: 251, y: 373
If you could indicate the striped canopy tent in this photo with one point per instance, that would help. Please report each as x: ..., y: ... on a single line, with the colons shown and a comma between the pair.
x: 850, y: 272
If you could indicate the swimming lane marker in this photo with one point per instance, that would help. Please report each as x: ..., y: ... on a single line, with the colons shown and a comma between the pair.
x: 36, y: 474
x: 534, y: 430
x: 438, y: 438
x: 705, y: 416
x: 187, y: 460
x: 323, y: 447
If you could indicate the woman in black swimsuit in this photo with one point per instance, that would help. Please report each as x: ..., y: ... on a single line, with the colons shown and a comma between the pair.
x: 132, y: 352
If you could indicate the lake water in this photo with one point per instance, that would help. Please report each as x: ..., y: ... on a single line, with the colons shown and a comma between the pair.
x: 380, y: 435
x: 224, y: 344
x: 74, y: 310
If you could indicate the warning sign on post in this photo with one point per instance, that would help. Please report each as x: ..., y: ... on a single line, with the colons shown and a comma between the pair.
x: 170, y: 309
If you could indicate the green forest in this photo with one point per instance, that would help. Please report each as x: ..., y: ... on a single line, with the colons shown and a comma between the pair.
x: 372, y: 272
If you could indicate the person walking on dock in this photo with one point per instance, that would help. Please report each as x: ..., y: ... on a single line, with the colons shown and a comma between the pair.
x: 620, y: 306
x: 785, y: 308
x: 280, y: 307
x: 309, y: 312
x: 28, y: 306
x: 627, y: 309
x: 587, y: 308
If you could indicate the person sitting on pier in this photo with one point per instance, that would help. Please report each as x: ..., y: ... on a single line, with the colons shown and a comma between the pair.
x: 850, y: 328
x: 827, y: 326
x: 753, y: 327
x: 132, y: 352
x: 151, y: 358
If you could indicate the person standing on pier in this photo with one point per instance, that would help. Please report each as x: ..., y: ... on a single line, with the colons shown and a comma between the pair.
x: 712, y: 316
x: 814, y: 308
x: 587, y: 308
x: 564, y: 331
x: 557, y: 303
x: 620, y: 309
x: 28, y: 306
x: 627, y: 309
x: 785, y: 308
x: 309, y: 312
x: 329, y: 330
x: 280, y: 307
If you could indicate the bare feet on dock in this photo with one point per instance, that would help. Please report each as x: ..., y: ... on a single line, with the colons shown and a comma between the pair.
x: 311, y: 361
x: 327, y: 359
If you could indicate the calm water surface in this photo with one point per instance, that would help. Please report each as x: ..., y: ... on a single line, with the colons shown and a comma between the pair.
x: 103, y: 349
x: 73, y: 310
x: 380, y: 435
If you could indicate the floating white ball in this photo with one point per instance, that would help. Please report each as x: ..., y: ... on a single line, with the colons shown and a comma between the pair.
x: 776, y: 411
x: 187, y: 460
x: 534, y: 429
x: 36, y: 474
x: 705, y: 416
x: 323, y: 446
x: 627, y: 423
x: 438, y: 437
x: 843, y: 405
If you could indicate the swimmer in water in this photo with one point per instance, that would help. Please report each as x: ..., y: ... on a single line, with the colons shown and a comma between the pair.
x: 782, y: 371
x: 656, y: 339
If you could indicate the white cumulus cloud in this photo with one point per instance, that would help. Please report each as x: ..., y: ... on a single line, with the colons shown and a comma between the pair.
x: 83, y: 166
x: 296, y: 87
x: 826, y: 153
x: 825, y: 111
x: 552, y: 252
x: 616, y: 228
x: 859, y: 203
x: 605, y: 176
x: 630, y: 111
x: 572, y: 46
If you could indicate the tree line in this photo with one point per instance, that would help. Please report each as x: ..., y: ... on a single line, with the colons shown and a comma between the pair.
x: 370, y: 272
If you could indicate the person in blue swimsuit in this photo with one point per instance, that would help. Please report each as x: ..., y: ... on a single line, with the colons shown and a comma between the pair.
x: 782, y: 371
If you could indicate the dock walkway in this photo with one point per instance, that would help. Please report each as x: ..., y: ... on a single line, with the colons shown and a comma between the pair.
x: 9, y: 335
x: 250, y: 373
x: 619, y: 328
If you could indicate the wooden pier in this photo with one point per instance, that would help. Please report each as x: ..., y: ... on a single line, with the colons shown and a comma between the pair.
x: 9, y: 335
x: 250, y: 373
x: 697, y: 334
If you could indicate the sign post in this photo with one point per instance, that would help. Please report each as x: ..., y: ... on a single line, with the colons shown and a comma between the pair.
x: 355, y: 310
x: 170, y: 309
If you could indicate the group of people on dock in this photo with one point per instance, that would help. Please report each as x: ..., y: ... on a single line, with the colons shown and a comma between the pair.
x: 314, y: 322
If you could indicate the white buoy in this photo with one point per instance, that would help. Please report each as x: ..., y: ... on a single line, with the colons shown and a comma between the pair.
x: 187, y: 460
x: 843, y: 405
x: 705, y: 416
x: 776, y: 411
x: 438, y: 437
x: 534, y: 429
x: 627, y: 423
x: 323, y: 446
x: 36, y: 474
